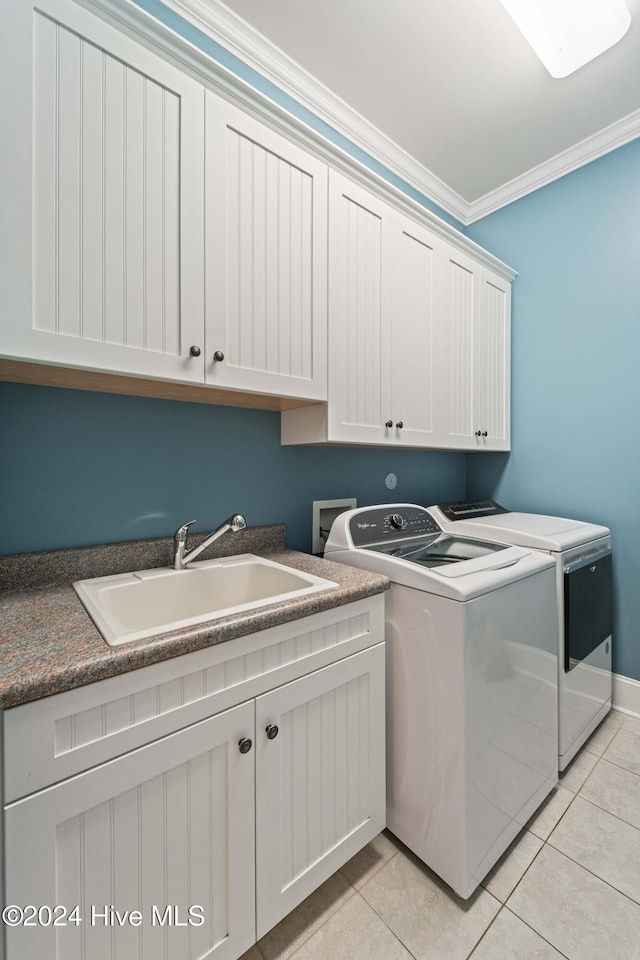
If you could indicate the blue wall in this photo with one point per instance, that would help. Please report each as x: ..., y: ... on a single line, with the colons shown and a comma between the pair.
x: 576, y: 365
x: 81, y: 468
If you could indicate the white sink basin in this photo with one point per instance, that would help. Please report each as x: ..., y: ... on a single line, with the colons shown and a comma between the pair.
x: 132, y: 606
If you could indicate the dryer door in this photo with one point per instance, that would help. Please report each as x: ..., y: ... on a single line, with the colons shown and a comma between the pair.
x: 587, y: 607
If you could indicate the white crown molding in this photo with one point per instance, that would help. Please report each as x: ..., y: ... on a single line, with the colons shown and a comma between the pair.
x: 228, y: 30
x: 601, y: 143
x: 240, y: 39
x: 128, y: 14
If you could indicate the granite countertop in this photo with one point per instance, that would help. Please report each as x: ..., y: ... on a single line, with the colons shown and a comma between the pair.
x: 49, y: 643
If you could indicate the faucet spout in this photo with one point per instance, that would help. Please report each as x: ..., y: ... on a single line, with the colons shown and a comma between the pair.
x: 183, y: 556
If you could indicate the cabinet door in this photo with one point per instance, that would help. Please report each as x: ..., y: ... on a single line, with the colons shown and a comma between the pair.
x: 320, y: 783
x: 476, y: 344
x: 412, y: 341
x: 493, y: 363
x: 106, y: 265
x: 266, y: 269
x: 459, y: 312
x: 360, y: 275
x: 160, y: 830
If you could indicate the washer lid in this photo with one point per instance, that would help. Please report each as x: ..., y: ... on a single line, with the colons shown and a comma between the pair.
x: 402, y: 542
x: 525, y: 529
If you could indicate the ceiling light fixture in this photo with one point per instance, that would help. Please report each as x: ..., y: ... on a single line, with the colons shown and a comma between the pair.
x: 566, y: 34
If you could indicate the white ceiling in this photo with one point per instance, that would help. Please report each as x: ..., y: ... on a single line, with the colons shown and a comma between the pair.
x: 447, y: 93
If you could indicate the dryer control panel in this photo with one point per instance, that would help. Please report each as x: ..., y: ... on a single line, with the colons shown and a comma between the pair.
x: 389, y: 523
x: 470, y: 509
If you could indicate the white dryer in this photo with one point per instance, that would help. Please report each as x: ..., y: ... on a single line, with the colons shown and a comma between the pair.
x: 471, y: 639
x: 582, y: 554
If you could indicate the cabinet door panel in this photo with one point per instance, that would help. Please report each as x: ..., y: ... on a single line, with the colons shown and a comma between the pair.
x: 116, y: 195
x: 266, y: 258
x: 413, y: 339
x: 169, y: 825
x: 476, y: 344
x: 460, y: 302
x: 494, y: 362
x: 321, y: 782
x: 360, y: 231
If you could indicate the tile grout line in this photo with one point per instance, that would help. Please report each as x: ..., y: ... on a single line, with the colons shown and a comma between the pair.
x: 485, y: 932
x: 375, y: 871
x: 537, y: 932
x: 381, y: 919
x: 589, y: 870
x: 538, y: 852
x: 287, y: 954
x: 505, y: 906
x: 597, y: 806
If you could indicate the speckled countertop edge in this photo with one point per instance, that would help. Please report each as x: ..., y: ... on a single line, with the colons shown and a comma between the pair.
x: 49, y: 644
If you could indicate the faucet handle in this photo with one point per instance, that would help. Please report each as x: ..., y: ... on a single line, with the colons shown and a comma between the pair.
x: 237, y: 522
x: 181, y: 534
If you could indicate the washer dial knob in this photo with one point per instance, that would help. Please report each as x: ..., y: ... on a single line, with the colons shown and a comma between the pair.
x: 397, y: 521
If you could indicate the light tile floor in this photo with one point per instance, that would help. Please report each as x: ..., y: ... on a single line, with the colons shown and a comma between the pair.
x: 569, y: 886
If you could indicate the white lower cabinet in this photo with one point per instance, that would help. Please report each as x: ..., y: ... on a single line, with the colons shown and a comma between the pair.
x: 196, y: 844
x: 318, y: 781
x: 166, y: 826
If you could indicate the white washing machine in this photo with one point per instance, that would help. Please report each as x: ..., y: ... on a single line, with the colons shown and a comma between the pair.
x: 582, y: 553
x: 472, y: 641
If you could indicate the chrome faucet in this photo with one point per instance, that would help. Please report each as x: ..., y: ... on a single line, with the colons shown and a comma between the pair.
x: 182, y: 557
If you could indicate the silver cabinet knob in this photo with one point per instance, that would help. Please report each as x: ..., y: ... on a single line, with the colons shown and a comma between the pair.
x: 389, y: 423
x: 195, y: 351
x: 399, y: 424
x: 218, y: 356
x: 244, y: 745
x: 271, y: 731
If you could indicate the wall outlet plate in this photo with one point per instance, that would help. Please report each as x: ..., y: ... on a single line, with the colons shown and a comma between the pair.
x: 324, y: 513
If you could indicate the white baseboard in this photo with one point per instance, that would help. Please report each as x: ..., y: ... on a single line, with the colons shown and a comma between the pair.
x: 626, y: 695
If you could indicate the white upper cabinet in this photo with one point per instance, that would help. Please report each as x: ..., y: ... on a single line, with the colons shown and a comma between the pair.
x: 360, y: 266
x: 461, y: 293
x: 266, y: 258
x: 476, y: 352
x: 383, y: 342
x: 412, y: 341
x: 108, y: 199
x: 158, y: 231
x: 493, y: 364
x: 418, y: 336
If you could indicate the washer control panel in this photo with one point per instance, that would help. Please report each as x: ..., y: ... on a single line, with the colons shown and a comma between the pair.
x: 388, y: 523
